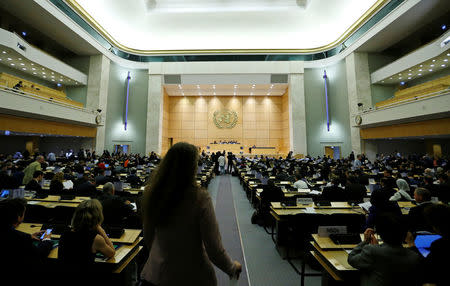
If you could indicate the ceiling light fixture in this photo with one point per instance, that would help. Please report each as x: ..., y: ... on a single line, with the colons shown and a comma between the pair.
x: 420, y: 70
x: 442, y: 65
x: 431, y: 65
x: 445, y: 60
x: 20, y: 59
x: 34, y: 73
x: 3, y: 52
x: 22, y: 64
x: 33, y: 69
x: 430, y: 70
x: 44, y: 76
x: 410, y: 74
x: 434, y: 61
x: 12, y: 64
x: 409, y: 77
x: 24, y: 69
x: 419, y: 74
x: 9, y: 59
x: 32, y: 64
x: 421, y: 66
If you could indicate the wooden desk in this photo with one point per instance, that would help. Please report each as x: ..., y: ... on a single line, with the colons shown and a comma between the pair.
x: 334, y: 262
x: 334, y: 205
x: 325, y: 243
x: 58, y: 199
x: 129, y: 236
x: 53, y: 204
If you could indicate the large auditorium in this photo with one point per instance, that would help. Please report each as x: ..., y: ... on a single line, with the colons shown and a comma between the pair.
x: 225, y: 142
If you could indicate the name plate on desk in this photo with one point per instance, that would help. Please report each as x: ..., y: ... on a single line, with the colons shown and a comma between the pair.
x: 325, y: 231
x: 304, y: 201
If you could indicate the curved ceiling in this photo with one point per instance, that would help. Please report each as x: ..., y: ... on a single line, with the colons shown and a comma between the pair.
x: 151, y: 26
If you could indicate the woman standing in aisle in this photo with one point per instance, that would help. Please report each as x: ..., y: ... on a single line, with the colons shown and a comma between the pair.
x: 180, y: 226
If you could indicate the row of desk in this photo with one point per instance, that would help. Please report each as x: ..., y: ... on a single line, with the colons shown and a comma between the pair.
x: 332, y: 257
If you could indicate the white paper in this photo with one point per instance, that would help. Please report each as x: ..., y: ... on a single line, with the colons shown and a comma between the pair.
x: 365, y: 206
x: 134, y: 206
x: 314, y: 192
x: 32, y: 202
x: 68, y: 185
x: 310, y: 210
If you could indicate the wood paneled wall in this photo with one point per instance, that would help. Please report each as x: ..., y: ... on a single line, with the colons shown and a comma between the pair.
x: 261, y: 120
x: 421, y: 128
x: 285, y: 146
x: 30, y: 125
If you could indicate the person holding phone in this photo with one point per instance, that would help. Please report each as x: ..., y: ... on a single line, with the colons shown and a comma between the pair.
x: 175, y: 208
x: 78, y: 246
x: 21, y: 252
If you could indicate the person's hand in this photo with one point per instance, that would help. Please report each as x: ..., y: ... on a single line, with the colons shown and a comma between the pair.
x: 37, y: 235
x: 368, y: 234
x: 238, y: 269
x: 127, y: 202
x: 100, y: 230
x: 409, y: 239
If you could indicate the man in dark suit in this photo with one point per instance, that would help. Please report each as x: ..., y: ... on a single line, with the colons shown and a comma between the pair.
x: 354, y: 191
x: 84, y: 187
x: 101, y: 179
x: 20, y: 253
x: 35, y: 183
x: 416, y: 217
x: 388, y: 263
x: 133, y: 179
x: 333, y: 193
x: 115, y: 209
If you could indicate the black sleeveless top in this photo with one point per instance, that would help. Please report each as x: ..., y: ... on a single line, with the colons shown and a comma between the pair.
x: 75, y: 248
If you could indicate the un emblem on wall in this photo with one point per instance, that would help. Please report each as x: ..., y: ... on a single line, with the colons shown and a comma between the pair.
x: 225, y: 118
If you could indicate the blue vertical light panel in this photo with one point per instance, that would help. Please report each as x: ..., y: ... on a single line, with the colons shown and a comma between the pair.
x: 326, y: 99
x: 126, y: 104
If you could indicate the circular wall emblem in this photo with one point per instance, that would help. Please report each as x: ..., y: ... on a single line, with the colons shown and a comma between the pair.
x: 225, y: 118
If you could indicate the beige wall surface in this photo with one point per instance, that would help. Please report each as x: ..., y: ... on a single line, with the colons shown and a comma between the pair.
x: 262, y: 121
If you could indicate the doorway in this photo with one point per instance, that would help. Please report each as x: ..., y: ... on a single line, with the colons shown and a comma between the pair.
x: 333, y: 152
x: 122, y: 149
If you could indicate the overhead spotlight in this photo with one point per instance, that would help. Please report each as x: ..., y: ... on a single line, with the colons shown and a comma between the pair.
x: 444, y: 27
x: 3, y: 52
x: 24, y: 33
x: 58, y: 84
x: 402, y: 83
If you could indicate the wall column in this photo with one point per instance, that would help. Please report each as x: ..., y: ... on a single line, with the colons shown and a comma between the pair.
x: 97, y: 95
x: 358, y: 85
x: 370, y: 148
x: 297, y: 114
x: 154, y: 114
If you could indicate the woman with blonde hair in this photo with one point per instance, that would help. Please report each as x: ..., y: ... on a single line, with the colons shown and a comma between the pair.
x: 56, y: 184
x: 78, y: 246
x: 180, y: 227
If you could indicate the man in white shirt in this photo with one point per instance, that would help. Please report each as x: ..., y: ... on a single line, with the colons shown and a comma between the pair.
x: 221, y: 161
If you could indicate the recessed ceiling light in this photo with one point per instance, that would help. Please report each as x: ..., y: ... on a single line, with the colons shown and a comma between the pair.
x: 22, y: 64
x: 409, y: 70
x: 442, y: 65
x: 421, y: 66
x: 402, y: 83
x: 43, y: 69
x: 9, y: 59
x: 24, y: 69
x: 409, y: 77
x: 12, y: 64
x: 391, y: 78
x: 32, y: 64
x: 419, y: 74
x: 53, y: 76
x: 3, y: 52
x: 382, y: 81
x: 34, y: 73
x: 43, y: 73
x: 53, y: 73
x: 53, y: 80
x: 445, y: 60
x: 431, y: 65
x: 33, y: 69
x: 448, y: 55
x: 20, y: 59
x: 399, y: 74
x: 44, y: 76
x: 76, y: 83
x: 400, y: 78
x: 434, y: 61
x: 420, y: 70
x: 430, y: 70
x: 410, y: 74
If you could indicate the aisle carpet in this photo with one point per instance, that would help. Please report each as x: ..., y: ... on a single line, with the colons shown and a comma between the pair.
x: 226, y: 217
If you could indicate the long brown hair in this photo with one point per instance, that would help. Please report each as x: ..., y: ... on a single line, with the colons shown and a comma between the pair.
x: 171, y: 182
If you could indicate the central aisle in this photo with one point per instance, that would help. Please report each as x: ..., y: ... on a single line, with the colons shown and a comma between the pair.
x: 243, y: 239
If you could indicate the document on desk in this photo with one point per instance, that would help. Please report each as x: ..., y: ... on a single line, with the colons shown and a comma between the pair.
x: 315, y: 192
x: 68, y: 185
x: 365, y: 206
x: 32, y: 202
x: 309, y: 210
x: 134, y: 206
